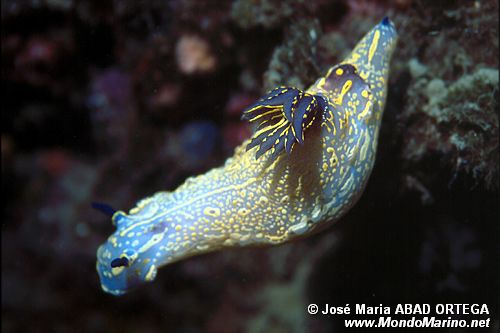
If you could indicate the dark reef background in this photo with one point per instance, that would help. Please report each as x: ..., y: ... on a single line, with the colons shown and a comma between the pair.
x: 113, y: 100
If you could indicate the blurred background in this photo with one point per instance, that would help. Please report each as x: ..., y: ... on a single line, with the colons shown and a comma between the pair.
x: 111, y: 101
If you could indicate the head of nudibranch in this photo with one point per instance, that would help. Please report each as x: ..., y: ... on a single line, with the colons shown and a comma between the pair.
x: 371, y: 58
x: 131, y: 255
x: 358, y: 85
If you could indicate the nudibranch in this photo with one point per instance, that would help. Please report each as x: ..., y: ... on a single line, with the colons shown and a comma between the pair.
x: 306, y: 164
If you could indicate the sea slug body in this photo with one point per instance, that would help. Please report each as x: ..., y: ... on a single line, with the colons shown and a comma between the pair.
x: 305, y: 166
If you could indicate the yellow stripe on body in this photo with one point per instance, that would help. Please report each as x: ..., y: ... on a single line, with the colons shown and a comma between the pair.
x: 373, y: 45
x: 267, y: 128
x: 272, y: 110
x: 345, y: 88
x: 366, y: 110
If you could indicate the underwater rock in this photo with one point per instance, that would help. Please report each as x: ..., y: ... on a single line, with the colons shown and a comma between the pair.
x: 267, y: 13
x: 110, y: 102
x: 198, y: 141
x: 458, y: 121
x: 294, y: 62
x: 193, y: 55
x: 416, y: 68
